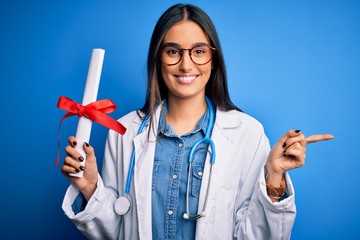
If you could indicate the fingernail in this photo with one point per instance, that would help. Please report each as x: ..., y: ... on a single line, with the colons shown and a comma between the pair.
x: 77, y: 170
x: 284, y: 145
x: 81, y: 159
x: 87, y: 145
x: 74, y: 143
x: 82, y: 168
x: 297, y: 131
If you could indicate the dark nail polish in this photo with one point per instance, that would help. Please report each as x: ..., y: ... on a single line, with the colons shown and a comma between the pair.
x: 297, y: 131
x: 284, y: 145
x: 284, y: 154
x: 82, y: 168
x: 81, y: 159
x: 87, y: 145
x: 77, y: 170
x: 74, y: 143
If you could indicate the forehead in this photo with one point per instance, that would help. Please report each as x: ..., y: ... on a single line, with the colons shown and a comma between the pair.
x: 186, y: 33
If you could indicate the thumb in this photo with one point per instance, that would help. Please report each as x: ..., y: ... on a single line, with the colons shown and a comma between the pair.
x: 90, y: 153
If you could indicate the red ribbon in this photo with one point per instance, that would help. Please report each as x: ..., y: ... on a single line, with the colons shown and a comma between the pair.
x: 95, y: 111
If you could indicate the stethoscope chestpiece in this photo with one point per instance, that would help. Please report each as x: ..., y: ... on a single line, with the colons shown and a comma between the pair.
x: 122, y: 205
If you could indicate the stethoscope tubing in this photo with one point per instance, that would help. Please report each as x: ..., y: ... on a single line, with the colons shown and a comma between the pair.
x: 132, y: 160
x: 212, y: 148
x: 207, y: 138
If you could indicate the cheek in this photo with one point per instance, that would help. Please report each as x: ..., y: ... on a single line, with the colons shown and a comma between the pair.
x: 164, y: 73
x: 206, y: 70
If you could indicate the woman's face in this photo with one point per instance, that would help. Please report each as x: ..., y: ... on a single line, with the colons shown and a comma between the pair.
x: 186, y: 79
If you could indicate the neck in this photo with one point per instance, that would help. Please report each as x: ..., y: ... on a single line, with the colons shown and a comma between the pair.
x: 184, y: 114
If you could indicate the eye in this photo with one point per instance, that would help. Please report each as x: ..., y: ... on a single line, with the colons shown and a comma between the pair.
x: 172, y: 51
x: 198, y: 51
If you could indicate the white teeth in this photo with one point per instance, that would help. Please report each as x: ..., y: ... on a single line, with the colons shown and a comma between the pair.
x: 186, y: 79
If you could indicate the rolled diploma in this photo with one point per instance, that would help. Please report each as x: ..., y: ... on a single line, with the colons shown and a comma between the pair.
x: 90, y: 94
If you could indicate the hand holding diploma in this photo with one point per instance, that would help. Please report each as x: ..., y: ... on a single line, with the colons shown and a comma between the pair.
x: 73, y: 164
x: 91, y: 110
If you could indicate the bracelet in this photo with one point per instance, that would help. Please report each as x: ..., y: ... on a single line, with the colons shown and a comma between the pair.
x: 275, y: 192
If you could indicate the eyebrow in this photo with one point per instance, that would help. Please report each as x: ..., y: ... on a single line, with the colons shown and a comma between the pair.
x: 173, y: 44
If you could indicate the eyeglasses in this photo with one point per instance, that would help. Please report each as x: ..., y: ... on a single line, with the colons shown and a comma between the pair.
x: 200, y: 54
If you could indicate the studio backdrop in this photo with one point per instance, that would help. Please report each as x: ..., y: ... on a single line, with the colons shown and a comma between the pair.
x: 290, y: 64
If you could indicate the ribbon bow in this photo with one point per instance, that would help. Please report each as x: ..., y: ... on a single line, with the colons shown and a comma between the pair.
x: 95, y: 111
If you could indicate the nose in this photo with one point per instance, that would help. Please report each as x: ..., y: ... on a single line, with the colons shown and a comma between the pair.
x: 186, y: 62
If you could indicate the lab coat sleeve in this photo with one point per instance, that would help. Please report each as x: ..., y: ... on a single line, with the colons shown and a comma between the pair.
x: 98, y: 220
x: 256, y: 216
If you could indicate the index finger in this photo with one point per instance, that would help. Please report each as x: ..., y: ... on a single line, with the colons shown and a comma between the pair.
x: 318, y: 137
x: 72, y: 141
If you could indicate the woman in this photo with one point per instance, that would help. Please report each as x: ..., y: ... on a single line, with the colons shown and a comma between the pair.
x: 250, y: 195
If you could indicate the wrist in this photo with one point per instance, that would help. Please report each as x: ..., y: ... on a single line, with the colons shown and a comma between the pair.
x: 273, y: 177
x: 89, y: 191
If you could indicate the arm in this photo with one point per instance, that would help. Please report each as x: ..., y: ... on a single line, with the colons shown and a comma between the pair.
x: 256, y: 216
x: 262, y: 217
x: 98, y: 220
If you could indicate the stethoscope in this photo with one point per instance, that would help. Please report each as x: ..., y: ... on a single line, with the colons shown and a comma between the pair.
x: 123, y: 203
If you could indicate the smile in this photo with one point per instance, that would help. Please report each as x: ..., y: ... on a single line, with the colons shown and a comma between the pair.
x: 185, y: 79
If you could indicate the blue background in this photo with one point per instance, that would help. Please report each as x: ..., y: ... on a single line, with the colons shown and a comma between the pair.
x: 291, y: 64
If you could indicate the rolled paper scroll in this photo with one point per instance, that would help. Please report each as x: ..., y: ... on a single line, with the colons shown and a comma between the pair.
x: 90, y: 94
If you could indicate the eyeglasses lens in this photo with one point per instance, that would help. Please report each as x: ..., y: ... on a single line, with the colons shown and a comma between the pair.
x: 199, y: 54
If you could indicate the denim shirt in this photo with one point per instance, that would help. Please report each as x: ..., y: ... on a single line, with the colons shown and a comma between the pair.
x: 170, y: 174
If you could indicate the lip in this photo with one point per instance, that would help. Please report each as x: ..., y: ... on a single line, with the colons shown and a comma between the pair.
x: 186, y: 79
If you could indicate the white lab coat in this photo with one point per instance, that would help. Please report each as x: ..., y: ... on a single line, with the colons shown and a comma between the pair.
x: 238, y: 206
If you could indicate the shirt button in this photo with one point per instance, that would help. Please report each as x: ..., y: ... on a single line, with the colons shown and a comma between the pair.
x: 174, y: 176
x: 180, y: 145
x: 200, y: 174
x: 170, y: 212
